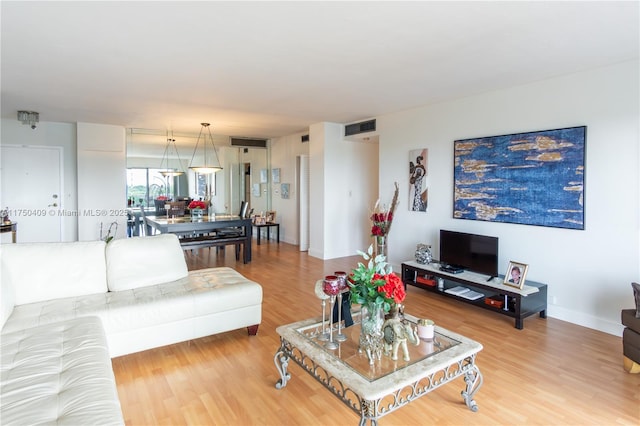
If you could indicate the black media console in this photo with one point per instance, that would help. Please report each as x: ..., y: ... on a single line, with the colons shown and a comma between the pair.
x: 496, y: 296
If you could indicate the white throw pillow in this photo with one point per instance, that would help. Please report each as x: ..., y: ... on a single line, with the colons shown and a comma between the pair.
x: 144, y: 261
x: 45, y: 271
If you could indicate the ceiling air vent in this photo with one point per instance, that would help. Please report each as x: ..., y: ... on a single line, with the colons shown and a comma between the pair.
x: 304, y: 138
x: 248, y: 142
x: 362, y: 127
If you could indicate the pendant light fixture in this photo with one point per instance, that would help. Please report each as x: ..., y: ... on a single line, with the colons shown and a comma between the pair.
x: 168, y: 172
x: 206, y: 168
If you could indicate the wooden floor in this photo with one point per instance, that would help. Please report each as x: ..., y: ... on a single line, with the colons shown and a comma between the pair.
x: 550, y: 373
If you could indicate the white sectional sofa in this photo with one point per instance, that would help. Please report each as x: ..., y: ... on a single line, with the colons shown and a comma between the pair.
x: 66, y: 308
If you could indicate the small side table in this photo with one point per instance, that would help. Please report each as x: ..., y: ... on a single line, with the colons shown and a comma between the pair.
x: 11, y: 227
x: 268, y: 225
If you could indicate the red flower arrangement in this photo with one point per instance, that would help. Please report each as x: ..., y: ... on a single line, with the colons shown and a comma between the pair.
x: 393, y: 287
x: 381, y: 223
x: 162, y: 198
x: 375, y: 283
x: 382, y: 216
x: 196, y: 204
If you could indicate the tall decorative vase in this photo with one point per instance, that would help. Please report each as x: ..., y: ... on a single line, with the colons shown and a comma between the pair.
x: 423, y: 254
x: 381, y: 245
x: 371, y: 337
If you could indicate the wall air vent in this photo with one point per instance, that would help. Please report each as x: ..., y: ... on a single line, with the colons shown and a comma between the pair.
x: 249, y: 142
x: 304, y: 138
x: 362, y: 127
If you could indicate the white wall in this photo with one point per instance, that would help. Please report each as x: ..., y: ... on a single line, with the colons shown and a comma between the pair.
x: 342, y: 191
x: 588, y: 272
x: 62, y: 135
x: 284, y: 152
x: 102, y: 180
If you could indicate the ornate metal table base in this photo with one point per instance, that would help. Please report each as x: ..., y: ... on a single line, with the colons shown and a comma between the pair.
x: 392, y: 397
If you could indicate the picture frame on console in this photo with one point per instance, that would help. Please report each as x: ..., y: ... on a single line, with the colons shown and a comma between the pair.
x: 516, y: 273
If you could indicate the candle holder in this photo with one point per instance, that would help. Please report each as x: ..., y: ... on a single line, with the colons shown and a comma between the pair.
x: 342, y: 284
x: 331, y: 287
x: 324, y: 335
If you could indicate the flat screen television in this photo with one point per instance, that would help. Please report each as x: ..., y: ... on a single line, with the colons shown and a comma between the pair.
x: 476, y: 253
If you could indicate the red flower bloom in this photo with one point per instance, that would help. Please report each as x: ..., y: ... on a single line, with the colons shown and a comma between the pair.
x: 393, y: 288
x: 196, y: 204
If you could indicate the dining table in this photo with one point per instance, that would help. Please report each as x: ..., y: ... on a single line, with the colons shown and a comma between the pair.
x: 187, y: 225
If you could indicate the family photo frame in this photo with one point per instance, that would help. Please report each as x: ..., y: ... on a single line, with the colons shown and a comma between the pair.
x: 515, y: 275
x: 270, y: 216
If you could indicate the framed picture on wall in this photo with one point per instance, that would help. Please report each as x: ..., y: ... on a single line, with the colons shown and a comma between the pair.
x: 534, y: 178
x: 255, y: 190
x: 284, y: 190
x: 418, y: 190
x: 275, y: 175
x: 263, y: 176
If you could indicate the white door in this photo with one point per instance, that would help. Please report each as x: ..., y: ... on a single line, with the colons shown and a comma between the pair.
x: 31, y: 188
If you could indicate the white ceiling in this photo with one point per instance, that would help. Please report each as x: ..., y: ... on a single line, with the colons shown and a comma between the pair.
x: 268, y: 69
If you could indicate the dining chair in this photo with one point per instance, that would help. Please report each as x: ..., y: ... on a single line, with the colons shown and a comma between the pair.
x: 145, y: 227
x: 233, y: 232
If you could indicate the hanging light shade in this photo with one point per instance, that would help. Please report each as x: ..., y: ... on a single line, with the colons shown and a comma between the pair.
x: 206, y: 168
x: 167, y: 171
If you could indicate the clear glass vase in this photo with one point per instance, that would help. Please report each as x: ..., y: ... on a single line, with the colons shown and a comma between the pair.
x: 372, y: 320
x: 381, y: 245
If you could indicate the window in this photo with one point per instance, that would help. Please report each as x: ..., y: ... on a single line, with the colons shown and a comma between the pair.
x: 145, y: 185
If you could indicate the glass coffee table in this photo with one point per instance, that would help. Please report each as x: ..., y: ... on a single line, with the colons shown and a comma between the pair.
x: 376, y: 390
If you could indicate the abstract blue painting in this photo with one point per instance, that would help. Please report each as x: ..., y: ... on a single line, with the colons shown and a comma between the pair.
x: 534, y: 178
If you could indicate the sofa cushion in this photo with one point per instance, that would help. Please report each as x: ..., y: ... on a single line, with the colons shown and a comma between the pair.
x: 58, y: 374
x: 46, y: 271
x: 144, y: 261
x: 628, y: 317
x: 636, y: 296
x: 202, y: 292
x: 7, y: 301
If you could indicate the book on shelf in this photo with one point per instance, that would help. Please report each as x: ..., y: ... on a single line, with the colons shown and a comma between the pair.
x: 456, y: 290
x: 465, y: 293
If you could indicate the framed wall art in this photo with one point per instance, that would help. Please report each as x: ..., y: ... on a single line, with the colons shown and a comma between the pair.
x: 284, y: 190
x: 418, y: 189
x: 534, y: 178
x: 263, y: 176
x: 255, y: 190
x: 275, y: 175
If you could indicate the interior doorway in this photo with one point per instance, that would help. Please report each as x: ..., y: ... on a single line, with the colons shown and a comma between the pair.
x: 247, y: 185
x: 31, y: 188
